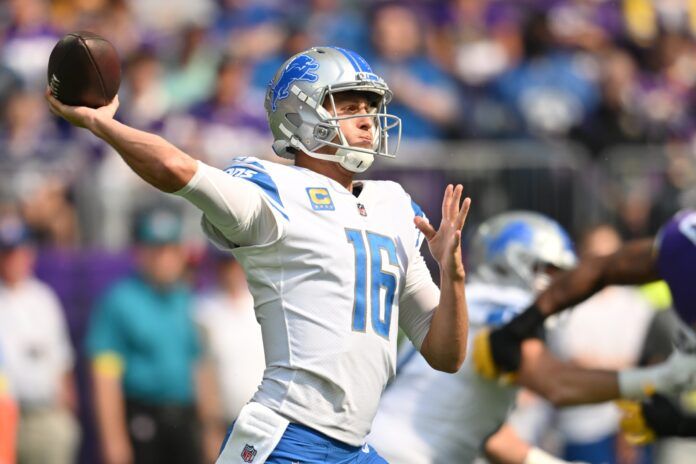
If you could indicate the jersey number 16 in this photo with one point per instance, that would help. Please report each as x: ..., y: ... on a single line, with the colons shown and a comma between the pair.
x: 380, y: 247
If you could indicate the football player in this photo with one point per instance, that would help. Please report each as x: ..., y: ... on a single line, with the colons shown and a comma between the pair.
x: 428, y: 417
x: 333, y: 264
x: 670, y: 256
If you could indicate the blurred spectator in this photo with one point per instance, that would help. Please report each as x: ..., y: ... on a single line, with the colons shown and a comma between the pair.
x: 144, y: 350
x: 678, y: 190
x: 27, y: 131
x: 164, y: 18
x: 425, y: 97
x: 9, y: 417
x: 191, y: 71
x: 665, y: 94
x: 37, y: 352
x: 255, y: 31
x: 144, y: 100
x: 51, y: 215
x: 40, y: 166
x: 478, y: 41
x: 585, y: 24
x: 634, y: 209
x: 112, y: 19
x: 27, y: 41
x: 10, y: 83
x: 37, y: 161
x: 334, y: 22
x: 232, y: 121
x: 616, y: 120
x: 552, y: 89
x: 233, y: 349
x: 486, y: 37
x: 645, y: 19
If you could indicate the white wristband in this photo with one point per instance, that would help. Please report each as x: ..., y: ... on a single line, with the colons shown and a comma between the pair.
x: 673, y: 376
x: 638, y: 384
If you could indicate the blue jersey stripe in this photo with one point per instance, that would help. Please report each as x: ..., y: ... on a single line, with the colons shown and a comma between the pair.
x: 350, y: 58
x: 269, y: 187
x: 280, y: 211
x: 418, y: 211
x: 261, y: 178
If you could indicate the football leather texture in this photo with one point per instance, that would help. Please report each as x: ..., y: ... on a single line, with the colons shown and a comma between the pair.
x: 84, y: 69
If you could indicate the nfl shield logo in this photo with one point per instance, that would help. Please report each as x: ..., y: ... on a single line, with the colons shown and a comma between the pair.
x: 361, y: 209
x: 248, y: 453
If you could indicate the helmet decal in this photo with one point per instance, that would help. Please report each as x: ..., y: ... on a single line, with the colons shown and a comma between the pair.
x: 515, y: 231
x: 358, y: 62
x: 514, y: 248
x: 299, y: 69
x: 302, y: 115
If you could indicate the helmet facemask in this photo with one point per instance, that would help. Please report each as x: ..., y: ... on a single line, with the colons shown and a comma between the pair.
x: 302, y: 112
x: 328, y: 133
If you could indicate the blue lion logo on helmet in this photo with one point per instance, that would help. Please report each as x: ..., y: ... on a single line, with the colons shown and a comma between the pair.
x: 515, y: 232
x: 299, y: 69
x: 522, y: 233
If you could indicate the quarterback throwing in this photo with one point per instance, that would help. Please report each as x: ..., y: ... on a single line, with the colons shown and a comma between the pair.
x: 334, y: 265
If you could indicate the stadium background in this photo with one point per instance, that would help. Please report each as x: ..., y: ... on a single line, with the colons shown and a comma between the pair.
x: 581, y: 109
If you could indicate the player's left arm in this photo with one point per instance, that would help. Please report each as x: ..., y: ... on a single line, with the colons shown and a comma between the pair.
x: 445, y: 343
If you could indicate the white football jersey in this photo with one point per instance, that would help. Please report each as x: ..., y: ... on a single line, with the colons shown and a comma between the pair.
x: 331, y: 284
x: 427, y: 416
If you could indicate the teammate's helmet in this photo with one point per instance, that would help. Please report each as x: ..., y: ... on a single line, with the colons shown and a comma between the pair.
x: 513, y: 248
x: 299, y: 121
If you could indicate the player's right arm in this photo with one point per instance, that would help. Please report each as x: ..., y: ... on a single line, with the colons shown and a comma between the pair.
x: 499, y: 350
x: 155, y: 160
x: 235, y: 210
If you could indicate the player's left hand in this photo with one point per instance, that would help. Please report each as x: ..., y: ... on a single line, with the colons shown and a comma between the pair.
x: 445, y: 243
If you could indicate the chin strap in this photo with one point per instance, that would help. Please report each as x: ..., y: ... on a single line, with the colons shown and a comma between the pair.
x: 354, y: 161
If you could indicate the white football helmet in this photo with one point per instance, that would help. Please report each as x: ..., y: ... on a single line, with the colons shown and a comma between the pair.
x: 513, y: 248
x: 298, y: 120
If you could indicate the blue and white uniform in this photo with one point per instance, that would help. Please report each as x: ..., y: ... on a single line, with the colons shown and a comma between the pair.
x: 427, y: 416
x: 333, y: 276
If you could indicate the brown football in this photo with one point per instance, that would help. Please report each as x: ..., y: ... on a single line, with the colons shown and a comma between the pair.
x: 84, y: 70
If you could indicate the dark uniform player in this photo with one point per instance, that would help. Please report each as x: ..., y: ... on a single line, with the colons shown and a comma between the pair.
x: 671, y: 256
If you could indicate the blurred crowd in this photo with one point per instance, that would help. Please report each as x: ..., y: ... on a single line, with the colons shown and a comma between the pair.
x: 140, y: 361
x: 598, y: 75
